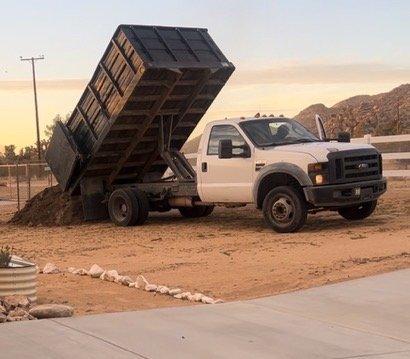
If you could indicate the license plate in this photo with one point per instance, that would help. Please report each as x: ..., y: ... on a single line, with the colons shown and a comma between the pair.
x: 357, y: 191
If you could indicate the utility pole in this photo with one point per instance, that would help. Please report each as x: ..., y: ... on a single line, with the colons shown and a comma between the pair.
x: 33, y: 60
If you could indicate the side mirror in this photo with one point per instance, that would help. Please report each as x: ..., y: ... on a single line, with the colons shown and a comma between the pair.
x: 343, y: 137
x: 225, y: 149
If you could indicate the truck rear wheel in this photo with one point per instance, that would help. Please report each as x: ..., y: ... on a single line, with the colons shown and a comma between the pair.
x: 285, y: 209
x: 358, y: 212
x: 123, y: 207
x: 143, y: 206
x: 196, y: 212
x: 128, y: 207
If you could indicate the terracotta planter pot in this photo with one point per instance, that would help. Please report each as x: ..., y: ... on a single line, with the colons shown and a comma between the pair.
x: 20, y: 278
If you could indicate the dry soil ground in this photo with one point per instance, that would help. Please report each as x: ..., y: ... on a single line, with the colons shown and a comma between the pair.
x: 230, y: 255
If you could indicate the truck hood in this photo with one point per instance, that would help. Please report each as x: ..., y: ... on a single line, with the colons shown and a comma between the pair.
x: 319, y: 150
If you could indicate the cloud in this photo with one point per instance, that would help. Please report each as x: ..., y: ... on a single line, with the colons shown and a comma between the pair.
x: 58, y: 84
x: 322, y: 74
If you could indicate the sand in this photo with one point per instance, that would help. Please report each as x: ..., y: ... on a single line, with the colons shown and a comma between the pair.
x: 231, y: 254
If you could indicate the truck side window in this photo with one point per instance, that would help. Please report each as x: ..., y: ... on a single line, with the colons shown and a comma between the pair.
x: 225, y: 132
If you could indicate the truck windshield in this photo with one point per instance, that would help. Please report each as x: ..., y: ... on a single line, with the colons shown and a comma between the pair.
x: 276, y: 132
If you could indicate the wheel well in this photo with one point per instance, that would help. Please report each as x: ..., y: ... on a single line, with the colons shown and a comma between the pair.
x: 273, y: 180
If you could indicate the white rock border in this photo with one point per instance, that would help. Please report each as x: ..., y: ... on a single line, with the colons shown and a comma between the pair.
x: 142, y: 283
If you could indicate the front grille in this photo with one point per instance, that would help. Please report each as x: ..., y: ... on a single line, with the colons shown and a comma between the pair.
x: 354, y: 165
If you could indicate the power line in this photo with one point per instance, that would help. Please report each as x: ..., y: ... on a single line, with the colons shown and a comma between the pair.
x: 33, y: 60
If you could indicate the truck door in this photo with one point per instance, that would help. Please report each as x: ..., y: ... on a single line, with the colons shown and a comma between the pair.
x: 225, y: 179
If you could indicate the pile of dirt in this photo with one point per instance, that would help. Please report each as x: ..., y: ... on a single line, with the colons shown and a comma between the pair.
x: 50, y: 207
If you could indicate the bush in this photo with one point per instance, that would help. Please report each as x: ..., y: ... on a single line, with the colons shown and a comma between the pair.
x: 5, y: 256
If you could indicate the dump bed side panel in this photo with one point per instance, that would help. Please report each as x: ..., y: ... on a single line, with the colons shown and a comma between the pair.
x: 145, y: 74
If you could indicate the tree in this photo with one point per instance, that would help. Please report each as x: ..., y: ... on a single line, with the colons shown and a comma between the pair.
x: 10, y: 154
x: 50, y: 128
x: 49, y: 131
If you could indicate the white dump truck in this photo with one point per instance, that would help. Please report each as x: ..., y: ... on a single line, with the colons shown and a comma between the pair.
x: 149, y: 91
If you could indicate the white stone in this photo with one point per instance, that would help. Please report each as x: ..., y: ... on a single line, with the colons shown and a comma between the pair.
x: 185, y: 295
x: 178, y: 296
x: 80, y: 271
x: 207, y: 300
x: 141, y: 282
x: 190, y: 297
x: 125, y: 280
x: 218, y: 301
x: 118, y: 279
x: 50, y: 268
x: 131, y: 285
x: 70, y: 269
x: 174, y: 291
x: 197, y: 297
x: 95, y: 271
x: 111, y: 275
x: 164, y: 290
x: 150, y: 288
x: 103, y: 275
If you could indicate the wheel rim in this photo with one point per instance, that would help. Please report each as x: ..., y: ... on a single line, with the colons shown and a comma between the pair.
x: 283, y: 209
x: 120, y: 208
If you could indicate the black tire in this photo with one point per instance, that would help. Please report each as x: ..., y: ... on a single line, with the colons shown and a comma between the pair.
x: 123, y: 207
x: 143, y: 206
x: 285, y: 209
x: 358, y: 212
x: 195, y: 212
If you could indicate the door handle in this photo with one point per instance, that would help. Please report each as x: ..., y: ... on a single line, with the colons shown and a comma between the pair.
x: 204, y: 167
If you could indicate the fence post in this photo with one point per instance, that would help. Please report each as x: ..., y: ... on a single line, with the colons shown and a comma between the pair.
x: 18, y: 186
x: 28, y: 175
x: 11, y: 189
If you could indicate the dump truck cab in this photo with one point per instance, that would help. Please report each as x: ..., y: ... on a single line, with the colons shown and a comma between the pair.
x: 243, y: 160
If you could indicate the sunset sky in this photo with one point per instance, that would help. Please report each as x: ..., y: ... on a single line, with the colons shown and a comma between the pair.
x: 288, y: 54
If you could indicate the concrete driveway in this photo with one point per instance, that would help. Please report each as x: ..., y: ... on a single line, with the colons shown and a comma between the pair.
x: 364, y: 318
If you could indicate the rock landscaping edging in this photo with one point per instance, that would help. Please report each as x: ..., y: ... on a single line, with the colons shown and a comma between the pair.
x: 140, y: 283
x: 16, y: 308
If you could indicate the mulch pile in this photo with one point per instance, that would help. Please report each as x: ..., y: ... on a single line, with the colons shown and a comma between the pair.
x: 51, y: 207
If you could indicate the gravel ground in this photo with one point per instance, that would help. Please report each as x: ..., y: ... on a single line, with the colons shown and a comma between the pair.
x: 231, y: 254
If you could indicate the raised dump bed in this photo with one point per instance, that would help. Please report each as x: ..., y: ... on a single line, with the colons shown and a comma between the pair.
x: 149, y: 77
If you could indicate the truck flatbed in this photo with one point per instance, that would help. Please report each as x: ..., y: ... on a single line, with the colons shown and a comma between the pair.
x: 150, y: 79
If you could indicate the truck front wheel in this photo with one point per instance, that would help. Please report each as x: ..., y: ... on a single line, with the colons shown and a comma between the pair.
x: 284, y: 209
x: 196, y: 212
x: 358, y: 212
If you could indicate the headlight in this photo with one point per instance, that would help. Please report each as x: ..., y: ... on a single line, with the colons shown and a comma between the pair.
x: 318, y: 173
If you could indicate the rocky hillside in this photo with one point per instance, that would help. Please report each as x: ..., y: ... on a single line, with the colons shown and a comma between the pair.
x: 383, y: 114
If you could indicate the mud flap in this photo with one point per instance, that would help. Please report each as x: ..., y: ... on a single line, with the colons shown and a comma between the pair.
x: 93, y: 199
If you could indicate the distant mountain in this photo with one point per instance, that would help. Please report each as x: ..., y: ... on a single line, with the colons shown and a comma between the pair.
x: 383, y: 114
x: 192, y: 145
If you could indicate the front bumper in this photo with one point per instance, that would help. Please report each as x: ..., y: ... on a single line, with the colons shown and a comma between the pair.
x: 345, y: 194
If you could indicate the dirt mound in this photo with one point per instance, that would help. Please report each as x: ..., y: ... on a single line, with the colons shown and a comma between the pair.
x: 50, y: 207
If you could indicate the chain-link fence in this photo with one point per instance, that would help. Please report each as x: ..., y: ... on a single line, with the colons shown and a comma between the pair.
x: 20, y: 182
